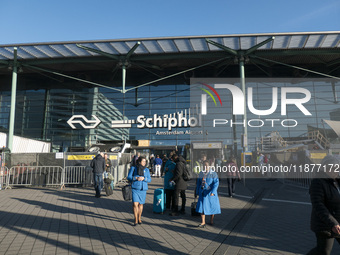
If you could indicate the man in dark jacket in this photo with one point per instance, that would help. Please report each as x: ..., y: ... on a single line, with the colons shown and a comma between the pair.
x: 98, y: 165
x: 325, y: 197
x: 181, y: 185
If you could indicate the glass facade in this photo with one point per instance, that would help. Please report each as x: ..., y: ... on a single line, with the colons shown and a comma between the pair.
x: 43, y: 114
x: 219, y: 124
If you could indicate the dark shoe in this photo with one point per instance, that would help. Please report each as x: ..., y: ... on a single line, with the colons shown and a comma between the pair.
x: 201, y: 226
x: 140, y: 222
x: 182, y: 212
x: 211, y: 223
x: 134, y: 224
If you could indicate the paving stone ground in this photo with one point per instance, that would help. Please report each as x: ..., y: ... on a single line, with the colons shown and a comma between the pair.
x: 73, y: 221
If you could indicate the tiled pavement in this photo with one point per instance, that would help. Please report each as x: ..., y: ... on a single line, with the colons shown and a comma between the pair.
x: 73, y: 221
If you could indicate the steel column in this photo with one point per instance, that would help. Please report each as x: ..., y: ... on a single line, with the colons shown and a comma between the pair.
x: 123, y: 78
x: 243, y: 86
x: 13, y: 100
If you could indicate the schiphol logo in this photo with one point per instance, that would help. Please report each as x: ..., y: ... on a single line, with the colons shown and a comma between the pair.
x: 238, y: 104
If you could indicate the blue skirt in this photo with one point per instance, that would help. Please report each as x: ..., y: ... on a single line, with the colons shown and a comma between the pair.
x: 138, y: 196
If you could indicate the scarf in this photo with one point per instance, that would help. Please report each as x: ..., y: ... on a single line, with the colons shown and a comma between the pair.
x: 140, y: 170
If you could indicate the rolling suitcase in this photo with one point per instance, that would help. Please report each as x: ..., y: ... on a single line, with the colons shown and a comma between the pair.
x: 108, y: 189
x: 159, y: 201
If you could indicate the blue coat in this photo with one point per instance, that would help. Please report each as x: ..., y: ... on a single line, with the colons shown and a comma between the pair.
x: 158, y: 161
x: 139, y: 185
x: 207, y: 203
x: 169, y: 174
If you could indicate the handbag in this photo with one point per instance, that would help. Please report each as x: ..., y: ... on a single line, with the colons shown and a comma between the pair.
x: 193, y: 209
x: 127, y: 192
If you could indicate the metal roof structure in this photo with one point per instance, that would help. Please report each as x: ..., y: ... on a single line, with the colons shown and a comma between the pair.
x: 283, y: 41
x: 151, y: 58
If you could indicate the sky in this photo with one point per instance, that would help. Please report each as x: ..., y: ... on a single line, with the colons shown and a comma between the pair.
x: 34, y: 21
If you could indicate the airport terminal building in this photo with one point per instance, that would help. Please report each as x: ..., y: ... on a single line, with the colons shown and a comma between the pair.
x: 167, y: 92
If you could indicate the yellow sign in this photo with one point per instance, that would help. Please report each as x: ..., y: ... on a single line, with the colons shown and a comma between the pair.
x: 143, y: 143
x: 113, y: 157
x: 318, y: 155
x: 80, y: 157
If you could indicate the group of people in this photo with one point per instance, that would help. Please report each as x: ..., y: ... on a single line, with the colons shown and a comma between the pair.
x: 324, y: 193
x: 100, y: 164
x: 157, y: 165
x: 175, y: 187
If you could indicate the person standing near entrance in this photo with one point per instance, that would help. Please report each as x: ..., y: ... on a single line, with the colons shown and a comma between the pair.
x: 158, y: 164
x: 169, y: 187
x: 164, y: 160
x: 98, y: 166
x: 206, y: 188
x: 108, y: 164
x: 152, y: 163
x: 233, y: 174
x: 139, y: 175
x: 325, y: 197
x: 181, y: 184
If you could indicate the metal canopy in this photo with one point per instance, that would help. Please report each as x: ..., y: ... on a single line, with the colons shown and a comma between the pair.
x: 174, y: 45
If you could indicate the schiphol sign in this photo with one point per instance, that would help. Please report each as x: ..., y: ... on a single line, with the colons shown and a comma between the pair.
x: 186, y: 119
x: 169, y: 121
x: 179, y: 119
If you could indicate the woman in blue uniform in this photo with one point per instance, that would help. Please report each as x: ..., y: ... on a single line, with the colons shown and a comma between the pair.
x: 208, y: 202
x: 139, y: 175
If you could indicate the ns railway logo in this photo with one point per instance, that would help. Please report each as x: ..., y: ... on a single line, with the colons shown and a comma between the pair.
x: 186, y: 119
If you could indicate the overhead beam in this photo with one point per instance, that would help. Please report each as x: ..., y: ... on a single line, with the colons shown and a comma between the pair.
x: 132, y: 50
x: 259, y: 45
x: 70, y: 77
x: 334, y: 62
x: 299, y: 68
x: 225, y: 48
x: 4, y: 62
x: 103, y: 53
x: 176, y: 74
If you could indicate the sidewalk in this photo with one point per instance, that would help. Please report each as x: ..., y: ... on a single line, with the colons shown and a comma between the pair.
x: 73, y: 221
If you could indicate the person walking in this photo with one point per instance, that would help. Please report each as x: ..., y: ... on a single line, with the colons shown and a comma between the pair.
x: 98, y: 166
x: 108, y: 163
x: 158, y: 164
x: 206, y: 188
x: 164, y: 160
x: 233, y: 174
x: 139, y: 175
x: 152, y: 163
x: 180, y: 186
x: 169, y: 186
x: 325, y: 197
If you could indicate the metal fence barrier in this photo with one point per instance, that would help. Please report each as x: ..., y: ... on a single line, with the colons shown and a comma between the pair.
x: 74, y: 175
x: 54, y: 175
x: 3, y: 177
x: 34, y: 176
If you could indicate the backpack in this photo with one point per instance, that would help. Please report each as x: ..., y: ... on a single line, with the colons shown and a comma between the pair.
x: 186, y: 174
